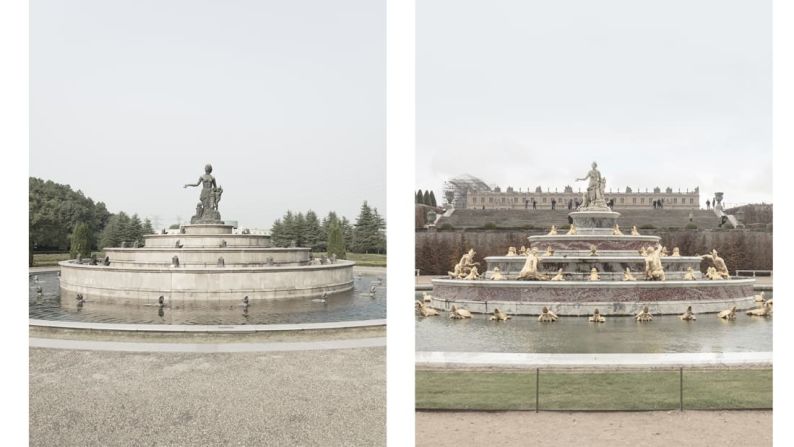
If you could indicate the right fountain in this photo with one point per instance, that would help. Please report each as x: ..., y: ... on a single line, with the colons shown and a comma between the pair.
x: 595, y: 265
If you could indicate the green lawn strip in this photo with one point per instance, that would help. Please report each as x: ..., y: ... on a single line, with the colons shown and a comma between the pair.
x: 475, y: 391
x: 48, y: 259
x: 594, y: 390
x: 735, y: 389
x: 363, y: 259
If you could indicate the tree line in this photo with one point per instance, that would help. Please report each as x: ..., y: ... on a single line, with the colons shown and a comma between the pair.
x: 332, y: 234
x: 61, y: 219
x: 425, y: 198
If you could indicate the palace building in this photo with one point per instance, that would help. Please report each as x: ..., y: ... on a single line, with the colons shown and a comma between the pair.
x: 470, y: 192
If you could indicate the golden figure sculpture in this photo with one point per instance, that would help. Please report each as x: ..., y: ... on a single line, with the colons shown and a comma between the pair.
x: 458, y: 314
x: 572, y: 230
x: 690, y: 274
x: 523, y: 251
x: 511, y: 252
x: 728, y: 314
x: 616, y: 230
x: 688, y: 315
x: 676, y: 252
x: 593, y: 250
x: 530, y: 269
x: 665, y: 252
x: 559, y: 276
x: 627, y: 276
x: 497, y: 275
x: 594, y: 274
x: 473, y: 274
x: 764, y: 309
x: 498, y: 315
x: 553, y: 231
x: 719, y: 264
x: 634, y: 231
x: 711, y: 273
x: 424, y: 310
x: 462, y: 268
x: 644, y: 315
x: 547, y: 316
x: 597, y: 317
x: 760, y: 298
x: 426, y: 297
x: 653, y: 265
x: 549, y: 251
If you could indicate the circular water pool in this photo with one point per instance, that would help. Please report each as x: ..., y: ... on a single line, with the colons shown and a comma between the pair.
x: 354, y: 305
x: 576, y: 335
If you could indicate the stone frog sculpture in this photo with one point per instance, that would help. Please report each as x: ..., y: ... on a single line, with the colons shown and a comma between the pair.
x: 718, y: 263
x: 498, y: 315
x: 497, y: 275
x: 593, y: 250
x: 597, y: 317
x: 424, y: 310
x: 572, y: 230
x: 458, y: 314
x: 764, y: 309
x: 523, y: 251
x: 688, y: 315
x: 547, y: 316
x: 627, y: 275
x: 530, y: 270
x: 552, y: 231
x: 559, y: 276
x: 634, y: 231
x: 728, y: 314
x: 690, y: 274
x: 616, y: 230
x: 549, y: 251
x: 760, y: 298
x: 644, y: 315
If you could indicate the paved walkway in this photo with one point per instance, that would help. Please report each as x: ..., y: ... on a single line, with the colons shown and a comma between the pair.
x: 87, y: 398
x: 527, y: 361
x: 647, y: 429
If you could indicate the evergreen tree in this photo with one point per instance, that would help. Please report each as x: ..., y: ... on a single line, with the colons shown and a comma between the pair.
x: 290, y: 236
x: 300, y: 230
x: 336, y: 241
x: 147, y: 228
x: 80, y: 241
x: 419, y: 197
x: 426, y: 198
x: 347, y: 231
x: 277, y: 237
x: 432, y: 200
x: 312, y: 231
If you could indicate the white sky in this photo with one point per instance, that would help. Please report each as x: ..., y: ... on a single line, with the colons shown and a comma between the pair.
x: 130, y: 99
x: 527, y: 93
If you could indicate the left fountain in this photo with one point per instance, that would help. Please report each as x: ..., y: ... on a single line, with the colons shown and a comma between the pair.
x: 204, y: 261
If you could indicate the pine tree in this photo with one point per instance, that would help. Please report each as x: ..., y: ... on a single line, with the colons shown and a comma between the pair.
x: 432, y: 199
x: 312, y: 231
x: 336, y: 240
x: 300, y: 230
x: 147, y: 227
x: 419, y: 197
x: 80, y: 241
x: 426, y: 198
x: 347, y: 231
x: 277, y: 234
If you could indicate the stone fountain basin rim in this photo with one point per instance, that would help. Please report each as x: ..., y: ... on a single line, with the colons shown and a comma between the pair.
x: 518, y: 360
x: 210, y: 249
x: 212, y: 235
x: 204, y: 328
x: 110, y: 268
x: 593, y: 284
x: 596, y: 258
x: 594, y: 237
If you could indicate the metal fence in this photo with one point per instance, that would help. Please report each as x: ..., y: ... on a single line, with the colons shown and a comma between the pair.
x: 550, y: 389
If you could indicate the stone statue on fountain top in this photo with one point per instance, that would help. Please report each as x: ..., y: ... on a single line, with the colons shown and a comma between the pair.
x: 207, y: 208
x: 594, y: 197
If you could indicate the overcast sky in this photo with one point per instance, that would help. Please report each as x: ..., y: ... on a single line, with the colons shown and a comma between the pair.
x: 661, y: 93
x: 130, y: 99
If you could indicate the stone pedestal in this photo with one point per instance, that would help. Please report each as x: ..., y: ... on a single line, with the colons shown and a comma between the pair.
x: 594, y: 221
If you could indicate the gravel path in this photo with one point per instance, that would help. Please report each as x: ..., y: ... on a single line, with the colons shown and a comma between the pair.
x: 328, y: 398
x: 648, y: 429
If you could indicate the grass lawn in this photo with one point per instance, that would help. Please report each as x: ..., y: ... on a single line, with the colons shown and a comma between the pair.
x: 48, y: 259
x: 594, y: 390
x: 364, y: 259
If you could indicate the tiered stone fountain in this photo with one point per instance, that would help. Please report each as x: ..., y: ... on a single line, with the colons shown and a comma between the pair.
x: 205, y: 261
x: 585, y: 269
